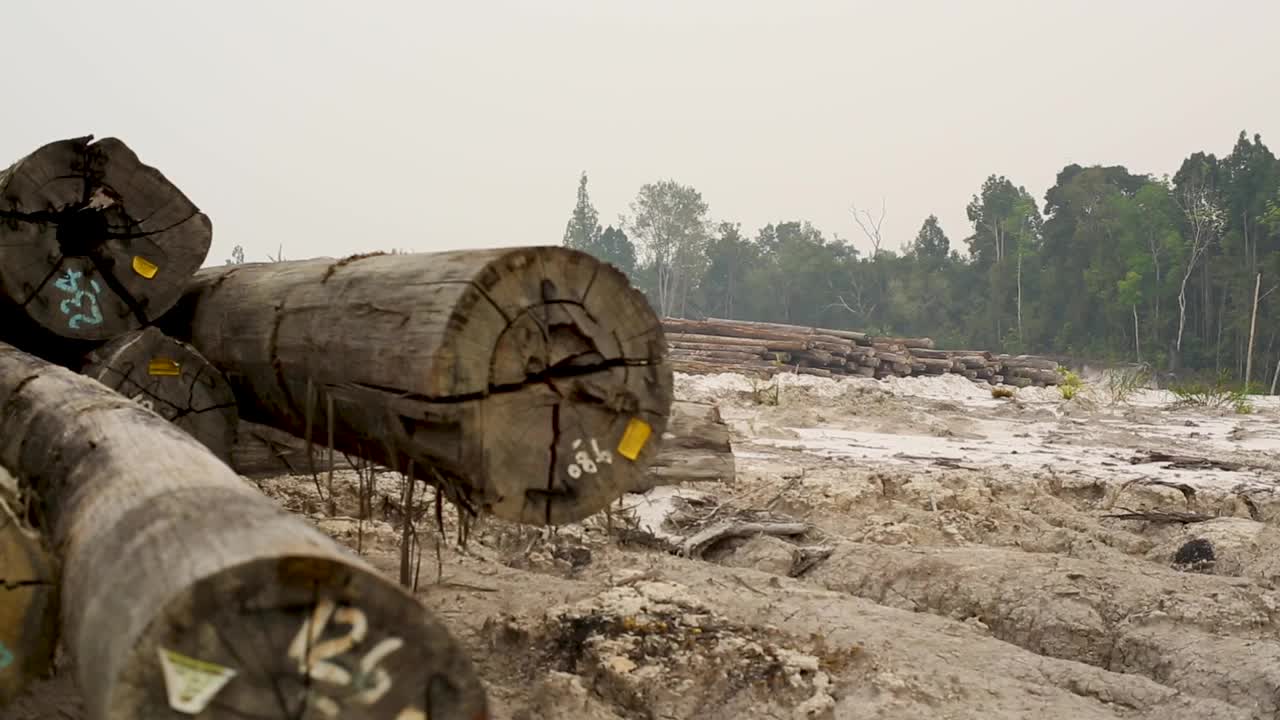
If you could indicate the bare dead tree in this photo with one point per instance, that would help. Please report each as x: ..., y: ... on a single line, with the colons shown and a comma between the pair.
x: 1204, y: 220
x: 870, y: 226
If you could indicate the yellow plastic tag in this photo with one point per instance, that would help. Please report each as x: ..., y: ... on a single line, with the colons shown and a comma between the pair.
x: 634, y: 438
x: 144, y: 267
x: 191, y: 684
x: 164, y: 367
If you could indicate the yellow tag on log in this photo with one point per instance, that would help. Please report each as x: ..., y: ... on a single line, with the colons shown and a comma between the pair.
x: 191, y: 684
x: 634, y: 438
x: 144, y: 267
x: 164, y: 367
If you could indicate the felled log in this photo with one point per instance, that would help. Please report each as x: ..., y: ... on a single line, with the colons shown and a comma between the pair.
x: 845, y: 334
x: 674, y: 338
x: 172, y: 379
x: 264, y: 451
x: 184, y: 588
x: 1035, y: 375
x: 719, y: 347
x: 28, y: 598
x: 892, y: 357
x: 696, y: 448
x: 743, y: 330
x: 93, y: 243
x: 911, y: 343
x: 1029, y: 361
x: 532, y: 382
x: 714, y: 355
x: 933, y: 366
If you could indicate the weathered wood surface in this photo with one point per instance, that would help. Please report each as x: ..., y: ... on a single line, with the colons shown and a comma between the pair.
x: 531, y: 383
x: 695, y: 448
x: 174, y: 568
x: 28, y: 598
x: 93, y: 243
x: 173, y: 379
x: 264, y: 451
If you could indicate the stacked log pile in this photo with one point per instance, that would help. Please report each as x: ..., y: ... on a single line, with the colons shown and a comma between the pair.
x: 529, y: 383
x: 765, y: 349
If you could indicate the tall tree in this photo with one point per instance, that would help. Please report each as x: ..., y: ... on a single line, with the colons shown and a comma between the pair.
x: 731, y: 258
x: 931, y: 242
x: 583, y: 230
x: 670, y: 226
x: 613, y: 246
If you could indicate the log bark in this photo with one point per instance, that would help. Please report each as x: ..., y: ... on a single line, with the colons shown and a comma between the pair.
x: 264, y: 451
x: 717, y: 347
x: 28, y: 598
x: 1031, y: 361
x: 174, y: 380
x: 530, y: 383
x: 846, y: 334
x: 910, y: 343
x: 752, y: 331
x: 696, y: 448
x: 93, y: 243
x: 675, y: 337
x: 714, y: 355
x: 1036, y: 375
x: 175, y: 570
x: 936, y: 367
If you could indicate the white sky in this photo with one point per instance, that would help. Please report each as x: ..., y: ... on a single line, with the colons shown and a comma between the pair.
x: 335, y: 127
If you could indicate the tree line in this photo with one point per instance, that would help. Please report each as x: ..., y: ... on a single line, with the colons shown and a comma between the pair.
x: 1111, y: 265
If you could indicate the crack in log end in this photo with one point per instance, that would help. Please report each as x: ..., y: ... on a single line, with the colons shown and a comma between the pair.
x: 550, y: 374
x: 551, y: 466
x: 105, y: 265
x: 346, y: 261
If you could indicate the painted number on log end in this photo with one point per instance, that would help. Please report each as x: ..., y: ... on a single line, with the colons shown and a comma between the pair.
x: 144, y: 267
x: 634, y: 438
x: 588, y: 462
x: 311, y: 657
x: 190, y: 683
x: 144, y: 401
x: 164, y: 367
x: 6, y: 657
x: 82, y: 305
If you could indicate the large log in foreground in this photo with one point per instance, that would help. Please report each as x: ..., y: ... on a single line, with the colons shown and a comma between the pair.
x: 185, y: 591
x: 174, y: 380
x: 531, y: 383
x: 28, y: 598
x: 93, y: 243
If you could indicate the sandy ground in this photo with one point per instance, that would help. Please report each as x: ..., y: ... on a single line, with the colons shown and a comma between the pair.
x: 930, y: 552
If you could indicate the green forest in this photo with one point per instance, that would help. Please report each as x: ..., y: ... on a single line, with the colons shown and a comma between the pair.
x: 1111, y: 264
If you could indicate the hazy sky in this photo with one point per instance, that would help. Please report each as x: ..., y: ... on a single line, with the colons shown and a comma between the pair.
x: 336, y: 127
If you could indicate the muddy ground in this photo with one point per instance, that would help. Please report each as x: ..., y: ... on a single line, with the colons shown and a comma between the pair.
x: 903, y: 549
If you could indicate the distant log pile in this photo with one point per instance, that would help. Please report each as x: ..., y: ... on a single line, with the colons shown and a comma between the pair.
x: 766, y: 349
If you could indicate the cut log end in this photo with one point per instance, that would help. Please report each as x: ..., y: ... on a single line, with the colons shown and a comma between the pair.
x: 172, y: 379
x: 94, y: 242
x: 588, y: 357
x: 297, y: 637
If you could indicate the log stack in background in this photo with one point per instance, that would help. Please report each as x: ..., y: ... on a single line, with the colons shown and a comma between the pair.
x: 765, y: 349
